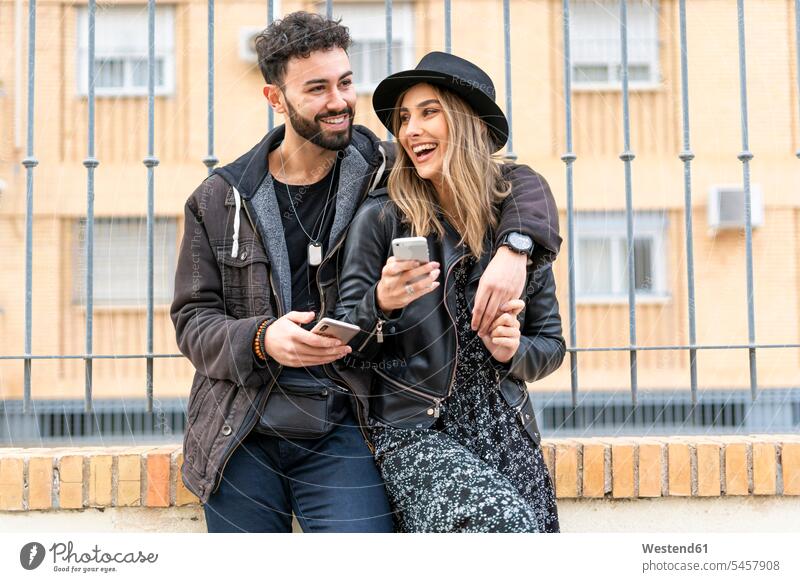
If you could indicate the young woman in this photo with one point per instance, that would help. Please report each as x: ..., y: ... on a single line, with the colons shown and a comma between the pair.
x: 451, y: 421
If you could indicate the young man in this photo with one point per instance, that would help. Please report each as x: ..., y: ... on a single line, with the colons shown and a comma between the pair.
x: 272, y: 428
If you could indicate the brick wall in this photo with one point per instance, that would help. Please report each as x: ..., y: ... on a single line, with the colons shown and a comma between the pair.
x: 591, y: 468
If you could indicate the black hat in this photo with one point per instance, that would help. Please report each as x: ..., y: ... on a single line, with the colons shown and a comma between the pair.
x: 460, y: 76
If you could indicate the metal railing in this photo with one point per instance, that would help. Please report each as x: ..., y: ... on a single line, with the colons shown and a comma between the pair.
x: 686, y: 156
x: 720, y: 412
x: 627, y: 156
x: 668, y: 412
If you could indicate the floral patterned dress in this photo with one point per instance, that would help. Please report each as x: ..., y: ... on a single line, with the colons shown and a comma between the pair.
x: 476, y: 470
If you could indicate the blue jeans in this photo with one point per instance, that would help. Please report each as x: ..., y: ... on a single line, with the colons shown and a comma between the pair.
x: 331, y: 484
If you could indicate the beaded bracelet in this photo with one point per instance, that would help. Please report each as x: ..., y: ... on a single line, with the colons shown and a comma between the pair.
x: 258, y: 342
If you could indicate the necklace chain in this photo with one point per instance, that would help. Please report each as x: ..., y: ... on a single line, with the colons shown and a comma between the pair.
x: 313, y: 239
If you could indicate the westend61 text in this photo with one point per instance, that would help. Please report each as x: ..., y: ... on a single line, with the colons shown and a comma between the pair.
x: 670, y: 549
x: 96, y: 555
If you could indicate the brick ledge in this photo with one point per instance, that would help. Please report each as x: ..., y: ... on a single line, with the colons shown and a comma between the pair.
x: 37, y: 479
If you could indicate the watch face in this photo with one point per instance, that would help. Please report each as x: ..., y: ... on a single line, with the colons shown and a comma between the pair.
x: 520, y: 241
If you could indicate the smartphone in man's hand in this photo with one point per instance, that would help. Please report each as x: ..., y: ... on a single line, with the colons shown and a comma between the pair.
x: 340, y: 330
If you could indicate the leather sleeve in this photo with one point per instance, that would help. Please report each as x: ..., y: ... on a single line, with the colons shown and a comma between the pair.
x: 530, y: 209
x: 542, y: 347
x: 364, y: 254
x: 218, y: 345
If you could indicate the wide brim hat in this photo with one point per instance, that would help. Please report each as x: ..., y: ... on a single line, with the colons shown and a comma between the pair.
x: 455, y: 74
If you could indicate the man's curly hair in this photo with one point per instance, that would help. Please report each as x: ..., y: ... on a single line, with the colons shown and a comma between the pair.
x: 297, y: 35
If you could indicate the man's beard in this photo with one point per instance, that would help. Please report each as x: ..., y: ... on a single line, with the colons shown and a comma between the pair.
x: 313, y: 130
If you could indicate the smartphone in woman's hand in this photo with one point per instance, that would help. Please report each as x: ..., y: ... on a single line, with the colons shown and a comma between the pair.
x: 411, y: 248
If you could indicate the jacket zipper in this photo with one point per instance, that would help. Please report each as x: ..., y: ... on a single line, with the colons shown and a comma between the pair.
x: 455, y: 328
x: 321, y: 313
x: 248, y: 423
x: 378, y: 329
x: 360, y: 419
x: 332, y: 252
x: 435, y: 400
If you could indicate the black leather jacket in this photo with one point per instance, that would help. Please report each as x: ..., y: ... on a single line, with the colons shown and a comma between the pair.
x: 409, y: 359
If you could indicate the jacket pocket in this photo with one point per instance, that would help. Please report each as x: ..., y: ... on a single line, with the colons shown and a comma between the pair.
x: 197, y: 395
x: 394, y: 404
x: 517, y: 397
x: 245, y: 278
x: 248, y: 267
x: 242, y: 302
x: 209, y: 413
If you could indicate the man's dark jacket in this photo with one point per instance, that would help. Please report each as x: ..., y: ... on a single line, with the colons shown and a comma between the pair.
x: 233, y: 273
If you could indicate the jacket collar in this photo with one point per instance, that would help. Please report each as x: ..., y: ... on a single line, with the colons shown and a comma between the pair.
x: 451, y: 249
x: 248, y: 171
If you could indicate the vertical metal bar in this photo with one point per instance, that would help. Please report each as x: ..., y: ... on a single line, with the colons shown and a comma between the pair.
x: 150, y: 162
x: 210, y: 160
x: 18, y: 71
x: 90, y: 163
x: 797, y: 53
x: 448, y: 33
x: 30, y: 162
x: 389, y: 11
x: 58, y: 415
x: 687, y: 156
x: 569, y: 158
x: 510, y: 155
x: 115, y: 423
x: 728, y: 413
x: 328, y: 9
x: 627, y: 157
x: 270, y: 20
x: 745, y: 156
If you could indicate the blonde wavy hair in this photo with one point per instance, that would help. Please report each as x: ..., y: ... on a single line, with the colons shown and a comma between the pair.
x: 471, y: 174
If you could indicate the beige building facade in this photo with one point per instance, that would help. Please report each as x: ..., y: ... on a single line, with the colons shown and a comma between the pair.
x: 539, y: 139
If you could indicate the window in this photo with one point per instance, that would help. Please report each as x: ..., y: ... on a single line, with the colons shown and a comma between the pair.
x: 596, y: 49
x: 367, y: 24
x: 601, y: 255
x: 120, y: 54
x: 248, y: 34
x: 120, y: 260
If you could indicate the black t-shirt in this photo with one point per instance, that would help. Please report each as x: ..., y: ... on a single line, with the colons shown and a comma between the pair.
x: 313, y: 204
x: 314, y: 207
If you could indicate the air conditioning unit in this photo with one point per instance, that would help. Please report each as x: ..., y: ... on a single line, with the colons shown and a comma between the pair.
x: 247, y: 43
x: 726, y: 207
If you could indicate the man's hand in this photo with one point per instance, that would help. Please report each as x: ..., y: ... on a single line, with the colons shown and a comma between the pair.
x: 503, y: 338
x: 502, y: 281
x: 393, y: 288
x: 290, y: 345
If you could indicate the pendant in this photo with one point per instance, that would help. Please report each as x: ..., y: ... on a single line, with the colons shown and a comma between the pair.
x: 314, y: 253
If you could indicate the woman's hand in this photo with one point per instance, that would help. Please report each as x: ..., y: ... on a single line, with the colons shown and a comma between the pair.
x: 502, y: 341
x: 395, y: 289
x: 503, y: 280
